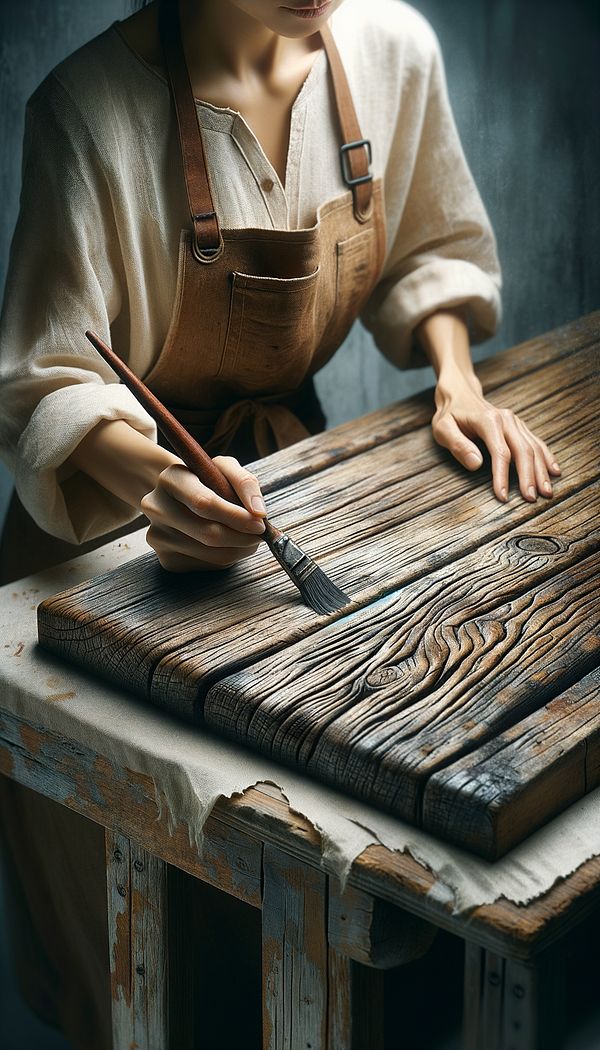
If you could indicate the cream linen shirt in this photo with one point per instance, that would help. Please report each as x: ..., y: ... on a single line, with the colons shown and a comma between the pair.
x: 103, y: 205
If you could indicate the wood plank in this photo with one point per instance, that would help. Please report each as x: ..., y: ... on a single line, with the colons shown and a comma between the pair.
x: 510, y: 1005
x: 78, y: 777
x: 136, y: 884
x: 402, y: 688
x: 350, y: 439
x: 489, y: 800
x: 355, y: 1005
x: 169, y: 639
x: 295, y: 957
x: 372, y: 931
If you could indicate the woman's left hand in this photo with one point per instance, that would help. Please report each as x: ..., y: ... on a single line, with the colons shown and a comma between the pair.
x: 463, y: 414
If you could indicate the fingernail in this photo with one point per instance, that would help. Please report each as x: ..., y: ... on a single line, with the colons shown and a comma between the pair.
x: 473, y: 460
x: 531, y: 492
x: 547, y: 487
x: 258, y: 505
x: 556, y: 467
x: 503, y: 495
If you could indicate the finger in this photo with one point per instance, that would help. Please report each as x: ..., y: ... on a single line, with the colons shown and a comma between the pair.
x: 171, y: 546
x: 542, y: 479
x: 245, y: 484
x: 448, y: 434
x: 489, y: 428
x: 181, y: 485
x: 549, y: 457
x: 523, y: 456
x: 166, y: 512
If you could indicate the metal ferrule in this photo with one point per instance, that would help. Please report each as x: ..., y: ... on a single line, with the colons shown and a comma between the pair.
x: 295, y: 562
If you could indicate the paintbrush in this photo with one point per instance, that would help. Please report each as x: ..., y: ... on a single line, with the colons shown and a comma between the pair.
x: 317, y: 590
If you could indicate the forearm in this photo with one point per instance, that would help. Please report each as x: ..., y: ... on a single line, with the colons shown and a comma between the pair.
x: 444, y: 337
x: 122, y: 460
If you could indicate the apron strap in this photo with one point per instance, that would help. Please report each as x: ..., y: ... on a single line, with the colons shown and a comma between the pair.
x: 355, y: 151
x: 207, y: 243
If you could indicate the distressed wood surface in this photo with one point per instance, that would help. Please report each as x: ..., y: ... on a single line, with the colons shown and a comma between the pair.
x: 541, y: 765
x: 355, y: 1005
x: 408, y: 685
x: 510, y: 1005
x: 294, y: 945
x: 136, y: 885
x: 169, y: 638
x: 119, y: 798
x: 125, y: 801
x: 373, y: 931
x: 348, y: 439
x: 467, y: 618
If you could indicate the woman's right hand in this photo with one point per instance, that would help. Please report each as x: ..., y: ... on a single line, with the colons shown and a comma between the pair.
x: 193, y: 529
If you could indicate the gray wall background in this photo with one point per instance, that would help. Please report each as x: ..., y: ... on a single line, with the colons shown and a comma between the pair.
x: 524, y: 83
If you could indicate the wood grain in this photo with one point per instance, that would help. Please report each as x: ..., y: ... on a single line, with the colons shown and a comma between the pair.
x: 467, y: 616
x: 410, y: 683
x: 117, y: 798
x: 375, y: 428
x: 294, y: 954
x: 489, y: 800
x: 136, y: 884
x: 355, y: 1005
x: 374, y: 932
x: 509, y: 1005
x: 170, y: 638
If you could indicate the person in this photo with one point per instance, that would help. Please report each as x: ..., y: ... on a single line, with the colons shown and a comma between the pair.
x: 219, y: 188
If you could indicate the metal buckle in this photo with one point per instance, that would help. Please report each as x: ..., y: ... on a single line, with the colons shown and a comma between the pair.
x: 206, y: 255
x: 346, y: 168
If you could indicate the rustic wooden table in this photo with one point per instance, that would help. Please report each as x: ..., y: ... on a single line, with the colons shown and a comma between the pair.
x: 324, y: 951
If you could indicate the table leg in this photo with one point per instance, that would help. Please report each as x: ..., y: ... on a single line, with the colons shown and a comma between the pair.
x: 355, y: 1007
x: 137, y: 927
x: 512, y: 1005
x: 314, y: 997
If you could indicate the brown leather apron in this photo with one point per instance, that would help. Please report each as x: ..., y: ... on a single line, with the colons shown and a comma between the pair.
x: 257, y: 313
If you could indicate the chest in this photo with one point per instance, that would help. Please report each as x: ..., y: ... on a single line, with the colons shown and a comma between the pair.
x: 265, y: 106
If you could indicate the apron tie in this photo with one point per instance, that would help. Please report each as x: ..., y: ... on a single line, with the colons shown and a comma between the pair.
x: 274, y: 426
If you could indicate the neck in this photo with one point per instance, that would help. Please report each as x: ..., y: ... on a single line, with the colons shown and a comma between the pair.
x: 219, y: 37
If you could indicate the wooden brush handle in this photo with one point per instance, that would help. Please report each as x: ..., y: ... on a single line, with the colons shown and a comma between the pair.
x: 192, y: 454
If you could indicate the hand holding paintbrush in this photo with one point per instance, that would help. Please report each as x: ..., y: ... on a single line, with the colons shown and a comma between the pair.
x: 316, y: 588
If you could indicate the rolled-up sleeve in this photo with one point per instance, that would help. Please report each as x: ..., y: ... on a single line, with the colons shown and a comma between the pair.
x: 65, y: 275
x: 442, y: 252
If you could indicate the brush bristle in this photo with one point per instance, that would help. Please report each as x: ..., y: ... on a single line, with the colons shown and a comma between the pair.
x: 316, y: 588
x: 321, y: 593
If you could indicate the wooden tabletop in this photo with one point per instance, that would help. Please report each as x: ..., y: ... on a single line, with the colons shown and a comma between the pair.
x: 460, y: 689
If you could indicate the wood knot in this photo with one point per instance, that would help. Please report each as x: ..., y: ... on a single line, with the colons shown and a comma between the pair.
x: 384, y: 675
x: 538, y: 545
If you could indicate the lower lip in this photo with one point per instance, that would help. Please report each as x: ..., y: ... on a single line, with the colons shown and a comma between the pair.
x: 309, y: 12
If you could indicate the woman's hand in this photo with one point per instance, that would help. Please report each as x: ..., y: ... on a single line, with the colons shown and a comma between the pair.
x: 191, y: 528
x: 463, y: 414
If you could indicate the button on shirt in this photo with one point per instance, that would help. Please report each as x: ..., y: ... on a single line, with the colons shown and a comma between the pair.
x: 101, y: 165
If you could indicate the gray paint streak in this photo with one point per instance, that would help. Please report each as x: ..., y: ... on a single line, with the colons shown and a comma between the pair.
x: 521, y: 78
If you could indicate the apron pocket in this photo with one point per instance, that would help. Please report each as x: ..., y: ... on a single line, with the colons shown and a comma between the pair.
x: 271, y: 331
x: 354, y: 275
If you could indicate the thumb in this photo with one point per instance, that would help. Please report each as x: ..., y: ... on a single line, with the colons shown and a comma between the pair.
x: 448, y: 434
